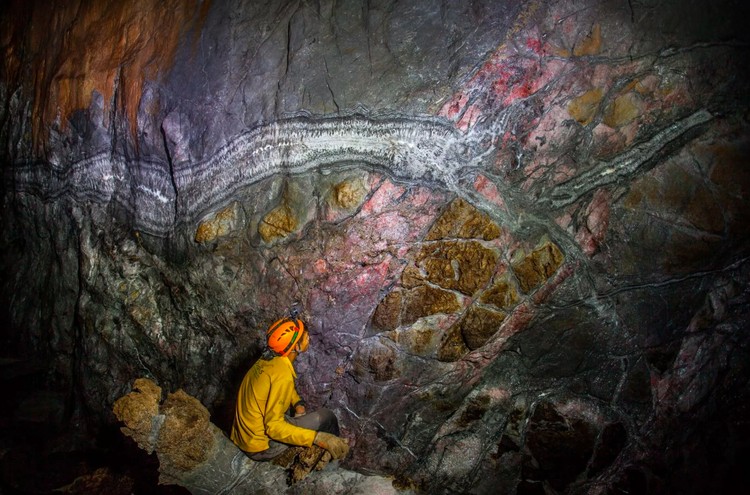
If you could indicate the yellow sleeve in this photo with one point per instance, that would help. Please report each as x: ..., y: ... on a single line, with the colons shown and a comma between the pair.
x: 280, y: 397
x: 295, y: 397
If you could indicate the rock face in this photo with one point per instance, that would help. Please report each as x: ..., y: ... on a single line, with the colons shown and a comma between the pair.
x: 517, y: 231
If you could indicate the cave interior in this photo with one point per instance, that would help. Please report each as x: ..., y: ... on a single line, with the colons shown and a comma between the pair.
x: 517, y: 233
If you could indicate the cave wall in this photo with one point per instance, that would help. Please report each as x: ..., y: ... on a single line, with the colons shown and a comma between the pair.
x: 517, y: 230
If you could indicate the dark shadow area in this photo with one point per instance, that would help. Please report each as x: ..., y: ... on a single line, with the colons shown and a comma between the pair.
x: 41, y: 452
x: 222, y: 412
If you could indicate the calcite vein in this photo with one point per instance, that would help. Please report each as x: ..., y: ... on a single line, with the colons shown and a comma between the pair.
x: 623, y: 166
x: 161, y: 197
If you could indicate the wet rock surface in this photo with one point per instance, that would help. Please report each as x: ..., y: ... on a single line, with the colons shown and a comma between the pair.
x: 517, y: 232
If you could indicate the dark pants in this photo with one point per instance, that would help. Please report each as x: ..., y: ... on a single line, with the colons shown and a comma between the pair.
x: 320, y: 420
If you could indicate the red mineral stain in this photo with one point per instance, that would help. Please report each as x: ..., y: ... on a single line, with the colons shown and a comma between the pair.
x: 489, y: 190
x: 320, y: 266
x: 534, y: 44
x: 386, y: 195
x: 592, y: 233
x: 454, y: 107
x: 469, y: 118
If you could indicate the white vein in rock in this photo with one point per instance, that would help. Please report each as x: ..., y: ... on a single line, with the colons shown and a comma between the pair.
x: 409, y: 149
x: 429, y: 150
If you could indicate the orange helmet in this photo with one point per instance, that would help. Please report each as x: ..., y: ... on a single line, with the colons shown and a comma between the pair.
x: 283, y: 334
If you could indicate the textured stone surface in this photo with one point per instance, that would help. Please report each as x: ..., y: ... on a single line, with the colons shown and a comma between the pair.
x: 463, y: 221
x: 195, y: 454
x: 561, y: 447
x: 278, y: 223
x: 137, y: 410
x: 184, y: 438
x: 533, y: 269
x: 479, y: 324
x: 462, y: 266
x: 509, y: 226
x: 502, y: 293
x: 219, y: 225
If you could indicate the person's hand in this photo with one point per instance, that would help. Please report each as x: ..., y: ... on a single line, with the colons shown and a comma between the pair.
x: 299, y: 410
x: 337, y: 446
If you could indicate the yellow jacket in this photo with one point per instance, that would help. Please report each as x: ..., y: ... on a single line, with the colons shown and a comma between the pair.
x: 266, y: 394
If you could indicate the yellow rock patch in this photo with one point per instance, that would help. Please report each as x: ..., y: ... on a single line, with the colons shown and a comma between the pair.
x: 218, y: 226
x: 584, y: 108
x: 479, y: 324
x: 387, y: 315
x: 417, y: 339
x: 591, y: 44
x: 463, y: 266
x: 502, y: 294
x: 535, y: 268
x: 426, y: 300
x: 348, y: 194
x: 462, y: 220
x: 137, y: 410
x: 278, y: 223
x: 453, y: 347
x: 622, y: 111
x: 185, y: 438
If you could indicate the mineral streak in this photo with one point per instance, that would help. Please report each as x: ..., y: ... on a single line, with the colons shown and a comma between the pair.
x: 160, y: 197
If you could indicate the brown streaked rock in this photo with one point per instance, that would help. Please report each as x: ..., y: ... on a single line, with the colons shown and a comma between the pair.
x: 681, y: 196
x: 348, y: 194
x: 426, y: 300
x: 535, y: 268
x: 704, y: 212
x: 591, y: 44
x: 452, y: 348
x: 411, y: 277
x: 676, y: 185
x: 132, y: 43
x: 622, y: 111
x: 644, y: 193
x: 463, y: 266
x: 503, y: 293
x: 219, y: 225
x: 479, y: 324
x: 278, y: 223
x: 387, y: 315
x: 381, y: 363
x: 417, y: 339
x: 462, y: 220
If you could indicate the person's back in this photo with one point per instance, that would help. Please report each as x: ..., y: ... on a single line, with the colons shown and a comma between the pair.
x: 265, y: 395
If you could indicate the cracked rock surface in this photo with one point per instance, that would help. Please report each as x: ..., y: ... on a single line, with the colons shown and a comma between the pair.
x: 517, y: 232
